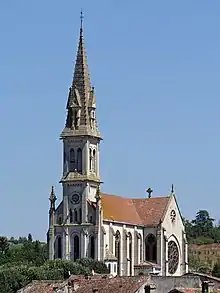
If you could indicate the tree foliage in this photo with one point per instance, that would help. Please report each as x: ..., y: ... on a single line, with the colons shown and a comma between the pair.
x: 23, y: 260
x: 202, y: 230
x: 216, y: 270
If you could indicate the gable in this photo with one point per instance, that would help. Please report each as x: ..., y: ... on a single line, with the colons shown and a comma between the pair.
x: 138, y: 211
x: 175, y: 226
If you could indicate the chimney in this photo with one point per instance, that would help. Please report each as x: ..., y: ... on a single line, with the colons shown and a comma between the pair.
x: 74, y: 284
x: 205, y: 287
x: 147, y: 289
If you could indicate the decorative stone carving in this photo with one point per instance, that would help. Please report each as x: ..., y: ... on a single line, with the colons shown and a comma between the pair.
x: 103, y: 230
x: 173, y: 257
x: 85, y: 232
x: 138, y: 235
x: 113, y: 231
x: 173, y: 216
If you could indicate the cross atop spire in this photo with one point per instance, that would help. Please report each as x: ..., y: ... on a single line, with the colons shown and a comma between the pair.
x: 81, y: 20
x: 172, y: 189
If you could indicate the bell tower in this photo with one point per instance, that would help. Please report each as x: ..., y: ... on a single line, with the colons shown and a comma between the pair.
x: 81, y: 140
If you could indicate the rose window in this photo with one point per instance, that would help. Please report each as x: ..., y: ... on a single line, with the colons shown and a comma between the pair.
x: 173, y: 257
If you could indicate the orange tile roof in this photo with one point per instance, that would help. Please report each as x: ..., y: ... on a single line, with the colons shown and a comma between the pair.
x: 137, y: 211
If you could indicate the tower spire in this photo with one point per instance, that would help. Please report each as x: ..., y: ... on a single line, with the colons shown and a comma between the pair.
x: 81, y: 103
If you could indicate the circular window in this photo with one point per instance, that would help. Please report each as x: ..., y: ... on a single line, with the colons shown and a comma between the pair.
x: 173, y: 257
x: 173, y: 216
x: 75, y: 199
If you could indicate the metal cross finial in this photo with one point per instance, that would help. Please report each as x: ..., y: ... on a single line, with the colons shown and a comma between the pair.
x: 172, y: 189
x: 149, y: 191
x: 81, y: 19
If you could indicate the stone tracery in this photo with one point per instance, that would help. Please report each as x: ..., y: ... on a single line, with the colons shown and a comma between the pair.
x: 173, y: 257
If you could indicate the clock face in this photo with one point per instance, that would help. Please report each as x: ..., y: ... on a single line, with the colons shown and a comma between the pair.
x: 75, y: 198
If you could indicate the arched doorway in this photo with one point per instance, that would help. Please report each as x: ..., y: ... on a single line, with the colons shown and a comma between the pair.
x: 118, y: 250
x: 76, y: 247
x: 151, y: 248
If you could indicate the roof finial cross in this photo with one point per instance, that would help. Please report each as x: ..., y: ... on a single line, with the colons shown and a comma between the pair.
x: 149, y: 191
x: 81, y: 19
x: 172, y: 189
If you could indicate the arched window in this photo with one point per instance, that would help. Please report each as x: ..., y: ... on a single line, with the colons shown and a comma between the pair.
x: 118, y: 250
x: 71, y: 216
x: 80, y: 215
x: 76, y: 247
x: 59, y: 247
x: 109, y: 268
x: 72, y: 160
x: 92, y: 247
x: 79, y: 160
x: 94, y: 161
x: 60, y: 220
x: 75, y: 216
x: 75, y: 119
x: 151, y: 248
x: 130, y: 253
x: 90, y: 160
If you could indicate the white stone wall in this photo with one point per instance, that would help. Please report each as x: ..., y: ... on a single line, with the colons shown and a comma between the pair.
x: 174, y: 232
x: 124, y: 243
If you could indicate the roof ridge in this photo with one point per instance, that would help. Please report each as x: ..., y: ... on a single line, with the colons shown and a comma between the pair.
x: 133, y: 198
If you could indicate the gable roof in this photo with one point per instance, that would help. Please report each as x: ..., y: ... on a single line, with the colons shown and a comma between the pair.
x: 136, y: 211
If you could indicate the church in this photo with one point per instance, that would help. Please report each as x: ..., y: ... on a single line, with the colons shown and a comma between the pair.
x: 133, y: 236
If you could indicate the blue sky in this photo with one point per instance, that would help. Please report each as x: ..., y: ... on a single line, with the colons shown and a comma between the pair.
x: 155, y: 66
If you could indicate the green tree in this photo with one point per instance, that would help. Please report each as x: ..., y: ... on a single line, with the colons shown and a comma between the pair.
x: 216, y: 270
x: 4, y: 245
x: 30, y: 239
x: 203, y: 224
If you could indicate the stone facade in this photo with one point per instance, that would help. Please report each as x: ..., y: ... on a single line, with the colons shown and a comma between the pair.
x: 88, y: 223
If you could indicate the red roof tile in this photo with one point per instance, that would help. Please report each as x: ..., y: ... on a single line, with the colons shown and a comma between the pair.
x: 146, y: 211
x: 112, y: 285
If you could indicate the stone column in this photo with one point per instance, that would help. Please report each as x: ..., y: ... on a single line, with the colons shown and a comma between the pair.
x: 84, y: 243
x: 162, y: 257
x: 86, y: 158
x: 158, y: 236
x: 67, y: 246
x: 121, y: 253
x: 138, y: 250
x: 132, y: 254
x: 113, y: 244
x: 97, y: 246
x: 63, y: 245
x: 127, y: 256
x: 84, y: 203
x: 51, y: 238
x: 166, y: 256
x: 186, y: 254
x: 97, y: 160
